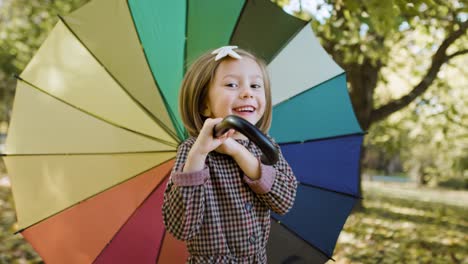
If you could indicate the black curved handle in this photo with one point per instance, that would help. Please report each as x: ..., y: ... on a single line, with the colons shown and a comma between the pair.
x: 269, y: 150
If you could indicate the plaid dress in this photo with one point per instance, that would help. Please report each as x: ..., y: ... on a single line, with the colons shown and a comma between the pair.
x: 223, y: 215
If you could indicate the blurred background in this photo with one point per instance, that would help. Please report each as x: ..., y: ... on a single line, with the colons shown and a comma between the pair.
x: 407, y: 70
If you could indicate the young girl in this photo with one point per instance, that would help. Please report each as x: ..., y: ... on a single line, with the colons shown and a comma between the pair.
x: 219, y: 195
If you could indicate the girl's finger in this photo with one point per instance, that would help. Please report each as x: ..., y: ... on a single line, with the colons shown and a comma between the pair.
x: 208, y: 126
x: 230, y: 132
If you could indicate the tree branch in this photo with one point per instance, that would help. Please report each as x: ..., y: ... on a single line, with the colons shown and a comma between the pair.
x: 438, y: 59
x: 458, y: 53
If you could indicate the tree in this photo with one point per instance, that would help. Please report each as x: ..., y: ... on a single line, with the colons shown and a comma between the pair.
x: 430, y: 135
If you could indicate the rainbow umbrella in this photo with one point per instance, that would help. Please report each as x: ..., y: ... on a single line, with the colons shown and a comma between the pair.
x: 94, y: 128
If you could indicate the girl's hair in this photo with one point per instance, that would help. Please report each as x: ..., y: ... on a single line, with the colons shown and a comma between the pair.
x: 195, y: 85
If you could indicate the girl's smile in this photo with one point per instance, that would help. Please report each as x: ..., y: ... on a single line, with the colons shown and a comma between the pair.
x: 237, y: 89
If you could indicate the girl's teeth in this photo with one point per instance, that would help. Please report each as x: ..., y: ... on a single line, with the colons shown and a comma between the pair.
x: 244, y: 109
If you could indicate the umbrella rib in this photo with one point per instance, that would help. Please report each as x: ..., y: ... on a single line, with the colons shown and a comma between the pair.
x: 329, y: 190
x: 299, y: 237
x: 166, y: 104
x: 324, y: 138
x: 186, y: 35
x: 96, y: 194
x: 95, y: 116
x: 161, y: 245
x: 84, y: 154
x: 142, y: 107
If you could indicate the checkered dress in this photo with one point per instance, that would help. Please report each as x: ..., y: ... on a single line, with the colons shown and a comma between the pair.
x: 223, y: 215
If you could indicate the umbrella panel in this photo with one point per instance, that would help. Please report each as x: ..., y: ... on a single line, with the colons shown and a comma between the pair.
x: 284, y: 247
x: 219, y: 16
x: 172, y: 250
x: 320, y: 112
x: 255, y: 24
x: 83, y: 230
x: 315, y: 221
x: 300, y: 65
x: 161, y: 28
x: 331, y: 164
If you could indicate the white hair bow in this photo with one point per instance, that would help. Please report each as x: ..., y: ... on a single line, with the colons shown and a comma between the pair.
x: 226, y: 51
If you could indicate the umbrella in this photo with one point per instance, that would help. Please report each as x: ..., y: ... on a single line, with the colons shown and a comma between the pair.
x: 94, y: 128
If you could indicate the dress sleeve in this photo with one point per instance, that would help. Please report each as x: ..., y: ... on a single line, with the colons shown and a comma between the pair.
x: 276, y: 186
x: 184, y: 203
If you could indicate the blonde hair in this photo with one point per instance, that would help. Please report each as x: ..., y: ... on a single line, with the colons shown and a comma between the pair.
x: 194, y: 90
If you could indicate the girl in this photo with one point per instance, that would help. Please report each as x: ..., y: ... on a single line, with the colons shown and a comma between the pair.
x: 219, y: 195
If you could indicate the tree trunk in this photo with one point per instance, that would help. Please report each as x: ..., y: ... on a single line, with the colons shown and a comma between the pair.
x: 362, y: 80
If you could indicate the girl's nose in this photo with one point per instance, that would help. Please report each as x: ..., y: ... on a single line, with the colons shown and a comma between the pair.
x: 246, y: 93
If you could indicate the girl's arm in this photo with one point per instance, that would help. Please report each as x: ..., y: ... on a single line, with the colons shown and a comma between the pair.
x: 184, y: 203
x: 249, y: 164
x: 276, y: 185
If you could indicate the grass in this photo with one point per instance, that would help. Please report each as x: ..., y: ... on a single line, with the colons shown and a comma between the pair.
x: 404, y: 224
x: 400, y: 224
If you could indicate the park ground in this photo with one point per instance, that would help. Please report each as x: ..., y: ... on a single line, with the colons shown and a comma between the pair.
x: 400, y: 224
x: 405, y: 224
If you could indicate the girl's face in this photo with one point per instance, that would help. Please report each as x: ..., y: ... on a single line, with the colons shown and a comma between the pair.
x: 237, y: 89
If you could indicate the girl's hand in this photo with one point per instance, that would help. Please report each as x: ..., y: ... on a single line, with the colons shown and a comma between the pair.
x: 204, y: 144
x: 229, y: 147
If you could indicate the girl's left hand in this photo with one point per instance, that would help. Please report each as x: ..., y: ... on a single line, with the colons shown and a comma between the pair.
x: 229, y: 146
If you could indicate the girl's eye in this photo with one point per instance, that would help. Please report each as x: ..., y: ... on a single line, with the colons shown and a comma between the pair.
x: 233, y: 85
x: 256, y: 86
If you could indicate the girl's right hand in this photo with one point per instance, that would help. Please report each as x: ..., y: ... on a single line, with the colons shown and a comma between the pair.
x: 204, y: 144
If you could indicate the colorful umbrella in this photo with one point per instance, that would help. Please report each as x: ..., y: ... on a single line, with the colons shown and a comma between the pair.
x: 95, y: 128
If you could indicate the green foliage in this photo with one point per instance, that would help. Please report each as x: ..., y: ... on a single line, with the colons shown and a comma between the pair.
x: 370, y: 28
x: 25, y: 25
x: 430, y: 135
x: 380, y: 16
x: 13, y: 248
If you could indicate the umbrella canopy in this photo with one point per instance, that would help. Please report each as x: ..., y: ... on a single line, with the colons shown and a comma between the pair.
x: 95, y: 128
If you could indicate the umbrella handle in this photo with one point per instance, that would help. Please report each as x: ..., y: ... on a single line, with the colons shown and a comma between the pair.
x: 269, y: 150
